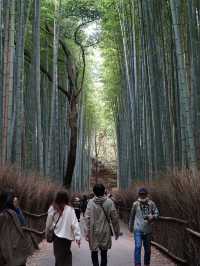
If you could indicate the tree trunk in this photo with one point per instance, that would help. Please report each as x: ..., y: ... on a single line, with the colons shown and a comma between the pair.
x: 73, y: 121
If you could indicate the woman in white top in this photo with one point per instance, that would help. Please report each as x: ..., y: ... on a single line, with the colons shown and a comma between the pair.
x: 62, y: 218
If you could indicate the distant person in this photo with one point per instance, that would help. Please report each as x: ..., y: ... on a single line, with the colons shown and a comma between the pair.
x: 143, y: 213
x: 18, y: 211
x: 62, y: 219
x: 84, y: 202
x: 14, y: 247
x: 99, y: 216
x: 76, y: 203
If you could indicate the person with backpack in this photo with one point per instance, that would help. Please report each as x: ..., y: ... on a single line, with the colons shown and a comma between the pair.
x: 63, y: 222
x: 100, y: 217
x: 143, y: 213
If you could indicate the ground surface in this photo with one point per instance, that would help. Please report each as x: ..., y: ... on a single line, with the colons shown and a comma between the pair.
x: 120, y: 255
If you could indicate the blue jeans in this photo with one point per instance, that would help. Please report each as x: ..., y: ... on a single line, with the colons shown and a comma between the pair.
x: 140, y: 238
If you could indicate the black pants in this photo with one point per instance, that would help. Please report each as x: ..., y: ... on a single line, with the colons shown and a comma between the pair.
x: 95, y: 259
x: 62, y: 251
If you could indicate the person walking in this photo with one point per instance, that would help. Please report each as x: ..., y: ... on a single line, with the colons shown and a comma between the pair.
x: 100, y: 217
x: 143, y: 213
x: 83, y: 206
x: 14, y: 245
x: 76, y: 203
x: 62, y: 219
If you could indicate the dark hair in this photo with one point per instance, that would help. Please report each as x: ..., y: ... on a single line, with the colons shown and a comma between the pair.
x: 99, y: 190
x: 3, y: 199
x: 10, y: 198
x: 62, y: 197
x: 84, y: 197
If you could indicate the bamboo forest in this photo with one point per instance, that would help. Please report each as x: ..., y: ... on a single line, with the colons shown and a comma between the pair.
x: 100, y: 96
x: 100, y: 80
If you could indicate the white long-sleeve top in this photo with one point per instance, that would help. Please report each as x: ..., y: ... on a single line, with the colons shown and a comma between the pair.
x: 67, y: 226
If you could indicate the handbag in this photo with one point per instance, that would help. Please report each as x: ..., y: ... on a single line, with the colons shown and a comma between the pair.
x: 50, y: 232
x: 108, y: 220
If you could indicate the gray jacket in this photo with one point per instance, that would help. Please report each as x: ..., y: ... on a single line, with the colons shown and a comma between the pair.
x: 139, y: 216
x: 98, y: 230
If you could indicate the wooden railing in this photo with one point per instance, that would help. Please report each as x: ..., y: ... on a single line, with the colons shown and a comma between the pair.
x: 35, y: 227
x: 35, y: 222
x: 193, y: 233
x: 33, y: 215
x: 173, y: 237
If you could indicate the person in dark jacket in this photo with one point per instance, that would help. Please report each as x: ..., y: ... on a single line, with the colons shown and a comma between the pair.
x: 14, y: 246
x: 84, y: 202
x: 12, y: 203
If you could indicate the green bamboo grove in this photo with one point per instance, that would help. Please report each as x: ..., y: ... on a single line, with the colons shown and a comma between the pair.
x: 42, y: 115
x: 155, y: 47
x: 150, y: 80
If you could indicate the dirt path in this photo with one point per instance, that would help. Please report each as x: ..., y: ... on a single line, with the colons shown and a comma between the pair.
x: 120, y: 255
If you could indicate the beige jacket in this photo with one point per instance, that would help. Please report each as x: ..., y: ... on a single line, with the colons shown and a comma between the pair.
x: 97, y: 227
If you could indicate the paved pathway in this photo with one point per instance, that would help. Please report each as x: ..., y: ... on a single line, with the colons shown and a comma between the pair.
x: 119, y: 255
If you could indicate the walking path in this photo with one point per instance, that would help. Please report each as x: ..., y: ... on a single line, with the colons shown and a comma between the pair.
x: 120, y: 254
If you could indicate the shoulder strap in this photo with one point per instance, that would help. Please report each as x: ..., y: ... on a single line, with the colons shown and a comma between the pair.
x: 57, y: 222
x: 108, y: 220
